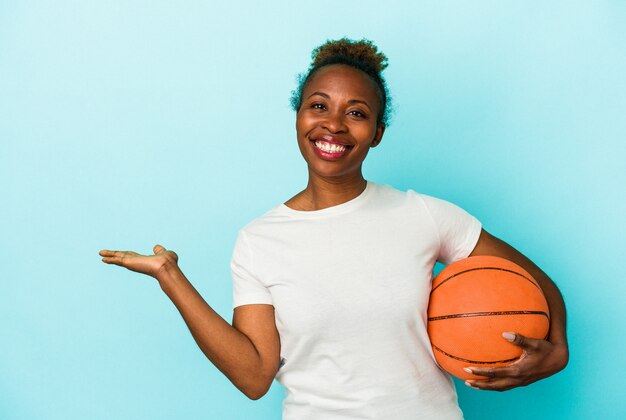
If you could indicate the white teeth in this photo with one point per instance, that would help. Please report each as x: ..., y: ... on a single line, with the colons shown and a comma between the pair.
x: 329, y: 147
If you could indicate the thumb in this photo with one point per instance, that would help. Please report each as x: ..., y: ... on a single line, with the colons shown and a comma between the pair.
x: 517, y: 339
x: 158, y: 248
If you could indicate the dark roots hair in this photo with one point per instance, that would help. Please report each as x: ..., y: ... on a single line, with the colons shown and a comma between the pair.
x: 362, y: 55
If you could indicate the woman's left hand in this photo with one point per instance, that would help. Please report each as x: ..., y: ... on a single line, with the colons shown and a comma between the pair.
x: 539, y: 359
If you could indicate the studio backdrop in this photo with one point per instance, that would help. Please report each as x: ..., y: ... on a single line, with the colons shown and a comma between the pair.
x: 129, y: 123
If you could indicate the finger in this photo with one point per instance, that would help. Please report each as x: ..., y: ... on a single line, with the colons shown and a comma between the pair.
x: 158, y: 248
x: 109, y: 253
x: 528, y: 344
x: 112, y: 260
x: 503, y: 384
x: 511, y: 370
x: 116, y: 257
x: 110, y: 257
x: 113, y: 257
x: 513, y: 338
x: 484, y: 372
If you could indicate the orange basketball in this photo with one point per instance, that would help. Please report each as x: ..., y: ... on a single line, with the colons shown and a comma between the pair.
x: 472, y: 302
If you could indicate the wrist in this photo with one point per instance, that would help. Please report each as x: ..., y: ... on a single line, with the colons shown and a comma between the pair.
x: 561, y: 353
x: 559, y: 340
x: 167, y: 274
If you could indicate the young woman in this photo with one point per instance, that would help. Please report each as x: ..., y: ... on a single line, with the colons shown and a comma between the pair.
x: 331, y: 287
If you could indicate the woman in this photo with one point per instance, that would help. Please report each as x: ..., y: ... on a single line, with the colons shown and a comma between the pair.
x: 331, y: 287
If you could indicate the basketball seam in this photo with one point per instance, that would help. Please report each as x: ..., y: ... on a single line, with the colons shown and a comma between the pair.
x: 494, y: 313
x: 476, y: 362
x: 485, y: 268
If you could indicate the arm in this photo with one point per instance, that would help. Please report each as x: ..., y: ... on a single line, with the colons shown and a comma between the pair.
x: 248, y: 352
x: 540, y: 358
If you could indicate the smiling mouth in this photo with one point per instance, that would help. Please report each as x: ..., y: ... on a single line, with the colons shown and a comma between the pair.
x: 330, y: 150
x: 330, y: 147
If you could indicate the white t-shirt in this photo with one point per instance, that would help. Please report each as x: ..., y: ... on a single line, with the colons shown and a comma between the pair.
x: 350, y: 287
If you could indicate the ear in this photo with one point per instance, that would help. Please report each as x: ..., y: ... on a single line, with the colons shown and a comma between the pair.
x: 378, y: 137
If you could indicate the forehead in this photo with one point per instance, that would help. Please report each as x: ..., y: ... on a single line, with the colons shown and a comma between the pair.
x: 342, y: 79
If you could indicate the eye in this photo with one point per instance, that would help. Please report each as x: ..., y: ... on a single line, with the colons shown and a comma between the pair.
x: 357, y: 114
x: 317, y: 105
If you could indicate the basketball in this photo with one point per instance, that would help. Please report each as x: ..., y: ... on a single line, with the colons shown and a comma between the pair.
x: 472, y: 302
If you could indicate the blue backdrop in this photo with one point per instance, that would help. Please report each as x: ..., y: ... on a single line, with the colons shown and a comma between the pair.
x: 127, y: 123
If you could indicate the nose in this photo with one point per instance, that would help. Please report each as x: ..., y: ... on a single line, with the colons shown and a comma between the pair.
x: 334, y: 122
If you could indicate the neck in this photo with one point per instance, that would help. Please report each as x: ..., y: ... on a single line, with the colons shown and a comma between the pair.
x: 321, y: 193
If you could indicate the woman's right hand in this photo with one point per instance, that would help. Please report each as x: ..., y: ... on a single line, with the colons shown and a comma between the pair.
x: 151, y: 265
x: 247, y: 352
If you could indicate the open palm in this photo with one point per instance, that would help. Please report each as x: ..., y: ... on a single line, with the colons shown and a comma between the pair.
x: 151, y: 265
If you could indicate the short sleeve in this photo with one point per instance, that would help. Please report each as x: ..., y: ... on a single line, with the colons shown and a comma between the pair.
x: 458, y: 230
x: 247, y: 288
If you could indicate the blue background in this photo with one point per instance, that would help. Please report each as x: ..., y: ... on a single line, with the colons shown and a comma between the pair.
x: 127, y: 123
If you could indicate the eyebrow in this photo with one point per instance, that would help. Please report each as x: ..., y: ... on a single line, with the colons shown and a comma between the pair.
x: 351, y: 101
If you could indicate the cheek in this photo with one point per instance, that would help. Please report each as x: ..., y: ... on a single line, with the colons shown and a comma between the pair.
x: 299, y: 122
x: 304, y: 124
x: 366, y: 133
x: 301, y: 132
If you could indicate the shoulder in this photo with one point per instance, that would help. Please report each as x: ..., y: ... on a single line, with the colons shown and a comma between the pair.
x: 270, y: 224
x: 417, y: 204
x: 269, y: 217
x: 395, y: 197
